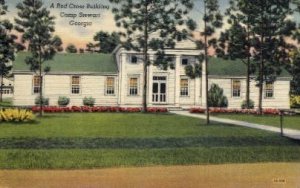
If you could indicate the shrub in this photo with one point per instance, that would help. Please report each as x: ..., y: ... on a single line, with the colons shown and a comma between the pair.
x: 63, y: 101
x: 88, y: 101
x: 16, y: 115
x: 244, y: 104
x: 45, y: 101
x: 197, y: 110
x: 216, y: 97
x: 295, y: 101
x: 157, y: 110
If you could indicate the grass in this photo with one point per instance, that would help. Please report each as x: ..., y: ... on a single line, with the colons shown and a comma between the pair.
x: 80, y: 141
x: 120, y: 125
x: 292, y: 122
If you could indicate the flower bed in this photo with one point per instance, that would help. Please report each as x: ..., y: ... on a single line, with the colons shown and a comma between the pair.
x: 234, y: 111
x: 56, y: 109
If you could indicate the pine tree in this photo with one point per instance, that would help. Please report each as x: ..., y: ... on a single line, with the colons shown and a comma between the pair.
x: 213, y: 20
x: 7, y: 46
x: 271, y: 26
x: 142, y: 18
x: 36, y: 25
x: 235, y: 42
x: 106, y: 42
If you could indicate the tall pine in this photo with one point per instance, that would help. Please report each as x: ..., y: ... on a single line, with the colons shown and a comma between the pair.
x: 141, y: 19
x: 7, y: 46
x: 235, y: 43
x: 212, y: 20
x: 271, y: 27
x: 36, y: 25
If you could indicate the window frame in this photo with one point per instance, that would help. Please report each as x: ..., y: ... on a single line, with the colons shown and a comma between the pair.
x: 130, y: 88
x: 34, y: 86
x: 183, y: 59
x: 186, y: 91
x: 268, y: 91
x: 133, y: 57
x: 236, y: 93
x: 112, y: 88
x: 77, y: 85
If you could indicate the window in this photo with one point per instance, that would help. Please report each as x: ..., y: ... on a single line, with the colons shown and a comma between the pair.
x: 184, y: 61
x: 5, y: 91
x: 269, y: 91
x: 133, y: 86
x: 134, y: 59
x: 36, y: 84
x: 110, y: 86
x: 75, y: 85
x: 184, y: 87
x: 236, y: 88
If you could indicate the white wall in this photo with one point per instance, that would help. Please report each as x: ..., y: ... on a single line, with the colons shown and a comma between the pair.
x: 280, y: 99
x: 60, y: 85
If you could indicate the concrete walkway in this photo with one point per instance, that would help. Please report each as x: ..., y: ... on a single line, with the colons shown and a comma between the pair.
x: 291, y: 133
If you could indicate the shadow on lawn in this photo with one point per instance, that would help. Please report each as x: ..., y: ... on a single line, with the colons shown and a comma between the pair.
x: 142, y: 143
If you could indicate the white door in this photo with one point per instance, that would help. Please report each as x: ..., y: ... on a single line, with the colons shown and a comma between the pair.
x: 159, y: 89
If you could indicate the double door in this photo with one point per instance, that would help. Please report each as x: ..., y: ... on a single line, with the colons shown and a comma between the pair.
x: 159, y: 89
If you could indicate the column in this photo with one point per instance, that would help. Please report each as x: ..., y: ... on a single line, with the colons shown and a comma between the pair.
x: 150, y: 80
x: 177, y: 79
x: 203, y: 85
x: 122, y: 79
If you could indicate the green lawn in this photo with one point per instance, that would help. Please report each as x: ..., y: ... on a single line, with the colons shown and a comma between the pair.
x: 68, y: 141
x: 292, y: 122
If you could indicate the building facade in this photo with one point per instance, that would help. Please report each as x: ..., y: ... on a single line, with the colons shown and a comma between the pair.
x: 117, y: 80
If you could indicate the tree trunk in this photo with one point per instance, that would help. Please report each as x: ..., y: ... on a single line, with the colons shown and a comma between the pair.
x: 261, y: 75
x: 41, y: 87
x: 1, y: 89
x: 248, y: 68
x: 248, y: 84
x: 206, y: 66
x: 145, y: 56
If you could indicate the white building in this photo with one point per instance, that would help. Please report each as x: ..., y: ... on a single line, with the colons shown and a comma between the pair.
x: 7, y: 88
x: 117, y: 80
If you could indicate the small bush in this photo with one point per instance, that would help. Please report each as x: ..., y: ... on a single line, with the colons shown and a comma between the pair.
x: 63, y: 101
x: 88, y: 101
x: 244, y: 104
x: 16, y: 115
x: 216, y: 97
x: 45, y: 101
x: 295, y: 101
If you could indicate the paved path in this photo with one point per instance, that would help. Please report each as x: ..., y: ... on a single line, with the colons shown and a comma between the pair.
x: 291, y: 133
x: 209, y: 176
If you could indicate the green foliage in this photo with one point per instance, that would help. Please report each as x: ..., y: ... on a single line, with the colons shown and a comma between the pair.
x: 295, y: 101
x: 39, y: 100
x: 90, y: 47
x: 216, y: 97
x: 36, y: 26
x: 105, y: 41
x: 294, y: 69
x: 245, y: 106
x: 193, y: 71
x: 16, y: 115
x: 7, y: 45
x: 63, y: 101
x: 89, y: 101
x: 71, y: 48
